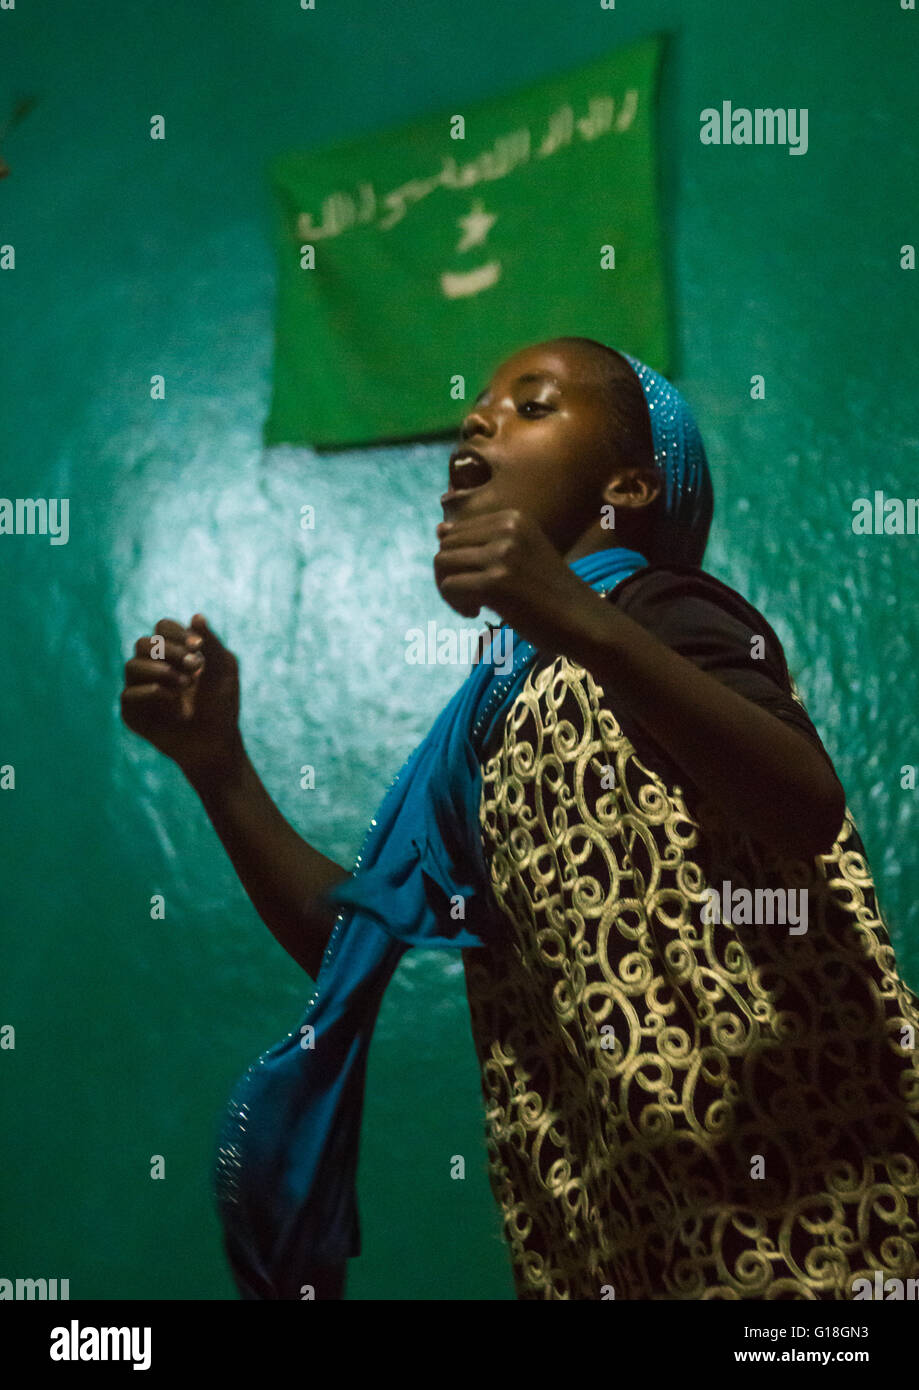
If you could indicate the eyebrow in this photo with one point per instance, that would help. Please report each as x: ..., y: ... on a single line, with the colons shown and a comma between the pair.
x: 527, y: 376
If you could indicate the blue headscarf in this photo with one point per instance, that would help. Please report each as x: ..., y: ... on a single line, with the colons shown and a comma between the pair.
x: 286, y: 1161
x: 680, y: 533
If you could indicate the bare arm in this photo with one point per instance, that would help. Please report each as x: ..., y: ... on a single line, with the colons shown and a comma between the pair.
x: 181, y: 694
x: 282, y: 874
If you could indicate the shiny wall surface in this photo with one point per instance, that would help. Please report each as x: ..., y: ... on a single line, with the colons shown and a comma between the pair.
x: 136, y: 257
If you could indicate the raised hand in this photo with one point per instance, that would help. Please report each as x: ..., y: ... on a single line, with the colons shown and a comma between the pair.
x: 181, y: 694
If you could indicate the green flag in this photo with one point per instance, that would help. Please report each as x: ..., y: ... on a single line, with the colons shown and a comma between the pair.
x: 413, y: 261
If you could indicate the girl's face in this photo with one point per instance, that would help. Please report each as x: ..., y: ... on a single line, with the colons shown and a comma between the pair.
x: 539, y: 439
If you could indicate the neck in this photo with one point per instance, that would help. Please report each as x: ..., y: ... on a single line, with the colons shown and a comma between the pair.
x: 594, y: 539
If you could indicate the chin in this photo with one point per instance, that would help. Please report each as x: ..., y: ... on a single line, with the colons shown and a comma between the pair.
x: 474, y: 502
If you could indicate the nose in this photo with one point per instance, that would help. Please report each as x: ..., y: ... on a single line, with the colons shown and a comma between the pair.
x: 474, y: 423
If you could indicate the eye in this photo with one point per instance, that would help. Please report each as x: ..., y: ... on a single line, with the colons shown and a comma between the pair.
x: 540, y: 405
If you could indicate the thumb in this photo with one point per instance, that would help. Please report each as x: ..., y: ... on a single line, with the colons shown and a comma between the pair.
x: 217, y: 659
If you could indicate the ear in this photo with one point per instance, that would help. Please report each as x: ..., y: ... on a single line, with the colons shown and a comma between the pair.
x: 633, y: 487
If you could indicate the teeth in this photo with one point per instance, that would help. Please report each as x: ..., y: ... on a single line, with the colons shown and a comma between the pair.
x: 470, y: 471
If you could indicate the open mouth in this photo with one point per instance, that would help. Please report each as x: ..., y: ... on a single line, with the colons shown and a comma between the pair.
x: 468, y: 470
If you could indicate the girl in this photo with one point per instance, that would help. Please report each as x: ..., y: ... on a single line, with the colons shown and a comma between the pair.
x: 697, y: 1054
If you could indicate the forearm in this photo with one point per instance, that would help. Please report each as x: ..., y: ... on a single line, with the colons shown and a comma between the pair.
x: 763, y: 775
x: 281, y: 873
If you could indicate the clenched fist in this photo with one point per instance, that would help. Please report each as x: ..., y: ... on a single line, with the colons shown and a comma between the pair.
x: 181, y: 694
x: 503, y: 560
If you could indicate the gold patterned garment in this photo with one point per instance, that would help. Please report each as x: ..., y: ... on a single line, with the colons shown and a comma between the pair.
x: 679, y: 1108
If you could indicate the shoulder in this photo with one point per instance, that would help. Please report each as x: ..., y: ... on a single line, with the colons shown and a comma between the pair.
x: 720, y: 631
x: 685, y: 606
x: 655, y: 586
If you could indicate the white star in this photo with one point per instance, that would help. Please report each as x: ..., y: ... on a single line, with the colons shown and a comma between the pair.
x: 476, y: 225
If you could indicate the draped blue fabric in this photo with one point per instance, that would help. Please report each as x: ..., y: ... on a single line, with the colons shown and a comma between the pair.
x: 287, y: 1155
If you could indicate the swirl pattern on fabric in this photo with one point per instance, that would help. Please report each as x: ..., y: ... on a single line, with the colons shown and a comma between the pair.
x: 749, y: 1128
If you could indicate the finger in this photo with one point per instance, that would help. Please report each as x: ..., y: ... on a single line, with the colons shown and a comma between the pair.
x: 156, y: 703
x: 166, y: 650
x: 168, y: 627
x: 178, y: 658
x: 140, y: 671
x: 475, y: 529
x: 473, y: 558
x: 140, y: 696
x: 220, y: 662
x: 464, y: 594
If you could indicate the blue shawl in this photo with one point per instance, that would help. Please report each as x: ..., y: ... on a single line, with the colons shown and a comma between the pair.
x: 286, y: 1163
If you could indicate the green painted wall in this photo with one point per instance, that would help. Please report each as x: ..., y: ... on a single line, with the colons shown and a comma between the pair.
x: 135, y: 257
